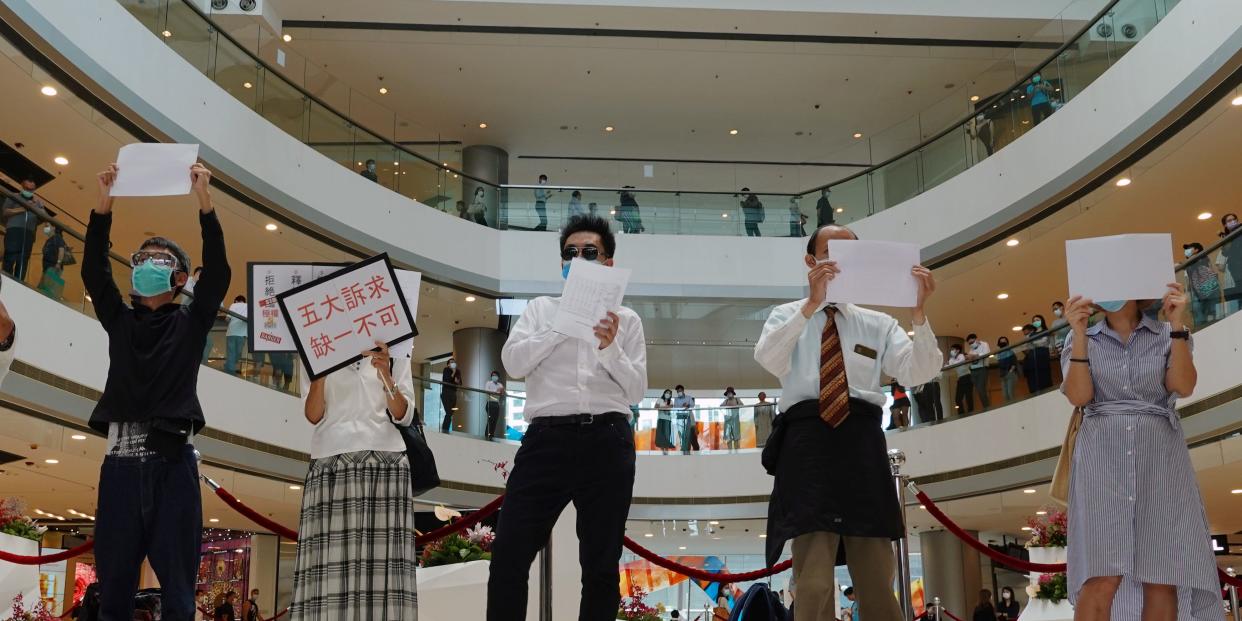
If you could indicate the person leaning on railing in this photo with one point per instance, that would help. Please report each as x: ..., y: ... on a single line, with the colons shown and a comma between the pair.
x: 1137, y: 524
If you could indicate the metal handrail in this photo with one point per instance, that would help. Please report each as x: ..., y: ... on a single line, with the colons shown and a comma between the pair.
x: 1070, y: 41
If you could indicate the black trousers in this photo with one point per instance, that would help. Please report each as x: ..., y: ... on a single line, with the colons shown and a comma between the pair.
x: 541, y: 208
x: 449, y: 400
x: 965, y: 395
x: 928, y: 400
x: 493, y: 415
x: 149, y: 507
x: 18, y: 244
x: 589, y: 465
x: 1040, y: 111
x: 752, y: 229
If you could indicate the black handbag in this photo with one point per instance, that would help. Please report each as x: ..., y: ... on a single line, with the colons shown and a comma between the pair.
x: 423, y: 474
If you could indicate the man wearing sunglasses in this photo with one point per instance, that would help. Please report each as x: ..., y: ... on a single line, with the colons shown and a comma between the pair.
x: 149, y: 504
x: 579, y: 446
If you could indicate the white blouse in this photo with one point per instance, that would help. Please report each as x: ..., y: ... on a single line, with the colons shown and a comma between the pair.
x: 356, y: 416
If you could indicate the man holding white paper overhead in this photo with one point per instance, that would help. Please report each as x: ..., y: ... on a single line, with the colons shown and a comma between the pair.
x: 833, y: 485
x: 579, y: 447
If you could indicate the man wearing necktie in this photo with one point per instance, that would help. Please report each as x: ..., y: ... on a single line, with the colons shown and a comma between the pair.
x: 833, y: 491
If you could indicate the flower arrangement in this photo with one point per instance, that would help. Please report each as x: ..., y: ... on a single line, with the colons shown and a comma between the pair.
x: 475, y: 545
x: 633, y: 608
x: 1048, y: 531
x: 38, y: 613
x: 13, y: 520
x: 1052, y: 587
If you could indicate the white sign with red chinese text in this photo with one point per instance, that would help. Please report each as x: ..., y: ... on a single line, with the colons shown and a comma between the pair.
x: 268, y: 330
x: 336, y: 318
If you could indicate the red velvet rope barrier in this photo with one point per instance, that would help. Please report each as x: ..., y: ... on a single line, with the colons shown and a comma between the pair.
x: 456, y: 527
x: 255, y: 516
x: 699, y: 574
x: 1019, y: 564
x: 50, y: 558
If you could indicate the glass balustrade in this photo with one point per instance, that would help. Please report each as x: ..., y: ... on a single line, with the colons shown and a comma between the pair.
x: 50, y: 260
x: 915, y: 155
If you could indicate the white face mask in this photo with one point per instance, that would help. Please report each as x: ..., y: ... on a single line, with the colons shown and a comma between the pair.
x: 47, y: 230
x: 543, y: 182
x: 1189, y: 252
x: 453, y: 365
x: 495, y: 378
x: 1057, y: 311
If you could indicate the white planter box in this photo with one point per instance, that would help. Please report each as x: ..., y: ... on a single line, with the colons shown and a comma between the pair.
x: 14, y: 579
x: 453, y: 591
x: 1040, y: 609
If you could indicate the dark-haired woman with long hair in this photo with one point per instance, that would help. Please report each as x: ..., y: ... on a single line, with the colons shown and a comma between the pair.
x: 1007, y: 608
x: 984, y: 611
x: 664, y: 422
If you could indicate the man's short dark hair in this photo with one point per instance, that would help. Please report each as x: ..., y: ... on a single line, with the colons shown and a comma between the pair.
x: 370, y: 161
x: 679, y: 387
x: 543, y: 177
x: 1058, y: 303
x: 591, y: 223
x: 972, y: 335
x: 183, y: 259
x: 1029, y: 326
x: 810, y: 243
x: 849, y: 591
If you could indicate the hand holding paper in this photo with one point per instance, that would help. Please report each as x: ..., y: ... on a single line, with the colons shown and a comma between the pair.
x: 1120, y: 267
x: 875, y: 272
x: 154, y: 169
x: 590, y: 293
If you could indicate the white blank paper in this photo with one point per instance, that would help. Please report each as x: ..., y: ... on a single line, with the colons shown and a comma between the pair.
x: 591, y: 291
x: 1120, y: 267
x: 154, y: 169
x: 874, y: 272
x: 411, y: 285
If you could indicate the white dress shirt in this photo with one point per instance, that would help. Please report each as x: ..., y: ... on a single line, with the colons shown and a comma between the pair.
x: 570, y: 376
x: 980, y: 351
x: 493, y: 389
x: 959, y: 359
x: 7, y: 355
x: 356, y: 417
x: 790, y: 344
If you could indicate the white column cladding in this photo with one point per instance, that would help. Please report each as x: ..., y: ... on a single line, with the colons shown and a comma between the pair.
x: 477, y: 351
x: 951, y: 572
x: 264, y: 559
x: 490, y: 164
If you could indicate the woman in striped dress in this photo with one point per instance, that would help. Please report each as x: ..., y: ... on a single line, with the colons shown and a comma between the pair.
x: 356, y: 558
x: 1137, y: 528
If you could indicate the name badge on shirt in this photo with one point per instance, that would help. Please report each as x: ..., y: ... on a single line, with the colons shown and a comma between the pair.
x: 863, y: 350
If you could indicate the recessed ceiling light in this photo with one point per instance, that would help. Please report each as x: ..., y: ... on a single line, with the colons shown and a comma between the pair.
x: 1013, y: 242
x: 923, y: 507
x: 910, y: 333
x: 609, y: 128
x: 1041, y: 513
x: 1017, y: 328
x: 1237, y: 101
x: 648, y: 535
x: 247, y: 85
x: 1002, y: 296
x: 714, y: 523
x: 857, y: 135
x: 51, y: 461
x: 383, y: 90
x: 62, y: 160
x: 214, y: 520
x: 974, y: 98
x: 50, y: 91
x: 1027, y: 528
x: 470, y: 298
x: 733, y: 132
x: 287, y: 38
x: 724, y: 215
x: 77, y: 436
x: 840, y: 210
x: 1205, y: 215
x: 1123, y: 182
x: 482, y: 125
x: 396, y: 163
x: 1235, y: 491
x: 681, y: 547
x: 295, y: 487
x: 1028, y: 491
x: 167, y: 33
x: 271, y: 226
x: 763, y: 535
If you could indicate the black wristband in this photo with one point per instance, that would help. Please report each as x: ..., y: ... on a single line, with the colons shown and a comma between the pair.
x: 1085, y: 361
x: 1180, y: 334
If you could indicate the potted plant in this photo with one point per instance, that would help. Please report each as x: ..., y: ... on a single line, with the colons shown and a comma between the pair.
x: 19, y: 613
x: 18, y: 535
x: 1049, y: 593
x: 474, y: 545
x: 453, y: 571
x: 633, y: 608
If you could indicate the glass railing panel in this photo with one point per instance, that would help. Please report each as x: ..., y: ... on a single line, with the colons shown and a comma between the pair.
x: 333, y: 136
x: 368, y: 113
x: 151, y: 13
x: 326, y: 87
x: 1087, y: 59
x: 426, y: 183
x: 470, y: 412
x: 368, y: 146
x: 1213, y: 281
x: 283, y: 105
x: 235, y: 71
x: 896, y: 182
x: 273, y: 51
x: 945, y: 157
x: 187, y: 34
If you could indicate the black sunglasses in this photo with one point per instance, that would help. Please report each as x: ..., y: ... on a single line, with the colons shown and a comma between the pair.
x: 569, y: 253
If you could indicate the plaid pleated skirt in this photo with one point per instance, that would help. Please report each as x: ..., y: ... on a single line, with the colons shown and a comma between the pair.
x: 356, y: 557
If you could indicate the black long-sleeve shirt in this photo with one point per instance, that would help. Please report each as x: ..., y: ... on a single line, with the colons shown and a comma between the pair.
x: 155, y: 354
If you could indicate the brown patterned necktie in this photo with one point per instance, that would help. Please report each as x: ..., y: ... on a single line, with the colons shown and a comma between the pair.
x: 834, y: 390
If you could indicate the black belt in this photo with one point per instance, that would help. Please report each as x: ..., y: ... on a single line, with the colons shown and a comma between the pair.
x: 581, y: 419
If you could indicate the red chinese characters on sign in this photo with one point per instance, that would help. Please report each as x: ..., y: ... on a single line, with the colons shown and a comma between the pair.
x: 376, y: 288
x: 365, y: 324
x: 321, y: 345
x: 353, y: 296
x: 309, y: 316
x: 388, y: 316
x: 330, y: 302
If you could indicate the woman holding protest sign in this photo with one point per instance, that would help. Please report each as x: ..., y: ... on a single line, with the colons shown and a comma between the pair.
x: 356, y: 556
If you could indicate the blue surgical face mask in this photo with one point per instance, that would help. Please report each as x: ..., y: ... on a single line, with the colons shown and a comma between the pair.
x: 27, y: 194
x: 1038, y: 323
x: 151, y: 280
x: 1037, y: 79
x: 1111, y: 306
x: 495, y: 378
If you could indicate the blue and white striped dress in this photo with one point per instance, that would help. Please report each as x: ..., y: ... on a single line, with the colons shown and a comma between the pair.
x: 1134, y: 504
